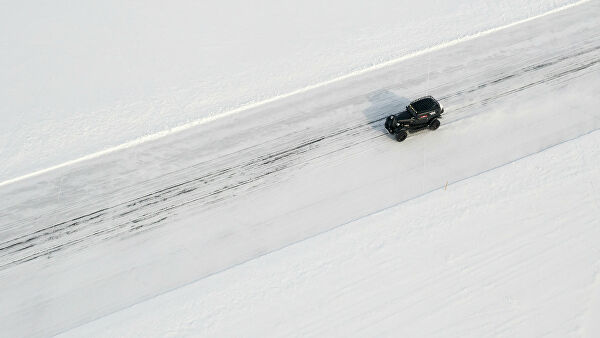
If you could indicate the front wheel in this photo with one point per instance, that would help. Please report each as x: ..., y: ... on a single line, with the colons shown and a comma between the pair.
x: 401, y: 136
x: 435, y: 124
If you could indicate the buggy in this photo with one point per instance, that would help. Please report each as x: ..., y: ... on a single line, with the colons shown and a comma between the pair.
x: 420, y: 114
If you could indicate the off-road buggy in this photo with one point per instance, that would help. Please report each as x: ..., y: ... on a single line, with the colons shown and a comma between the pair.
x: 420, y: 114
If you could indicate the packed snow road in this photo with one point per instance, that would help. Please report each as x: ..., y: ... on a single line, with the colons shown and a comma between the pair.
x: 116, y: 230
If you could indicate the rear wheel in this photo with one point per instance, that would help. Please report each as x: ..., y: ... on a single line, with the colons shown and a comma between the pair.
x: 388, y: 124
x: 401, y: 135
x: 435, y: 124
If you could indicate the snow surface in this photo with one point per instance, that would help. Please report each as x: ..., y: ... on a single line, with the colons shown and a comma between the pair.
x: 80, y: 77
x: 507, y: 249
x: 512, y: 252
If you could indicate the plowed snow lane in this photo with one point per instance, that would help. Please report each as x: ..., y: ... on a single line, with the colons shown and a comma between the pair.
x: 150, y: 210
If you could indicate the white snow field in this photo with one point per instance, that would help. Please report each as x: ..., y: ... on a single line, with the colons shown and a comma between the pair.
x: 80, y: 77
x: 301, y: 216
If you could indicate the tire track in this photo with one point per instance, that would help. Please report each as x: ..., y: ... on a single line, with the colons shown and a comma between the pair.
x: 151, y: 210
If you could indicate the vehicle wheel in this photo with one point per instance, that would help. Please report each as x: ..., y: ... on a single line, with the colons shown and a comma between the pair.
x: 435, y: 124
x: 388, y: 124
x: 401, y: 136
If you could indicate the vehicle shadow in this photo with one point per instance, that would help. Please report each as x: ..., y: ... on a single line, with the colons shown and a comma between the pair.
x: 383, y: 103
